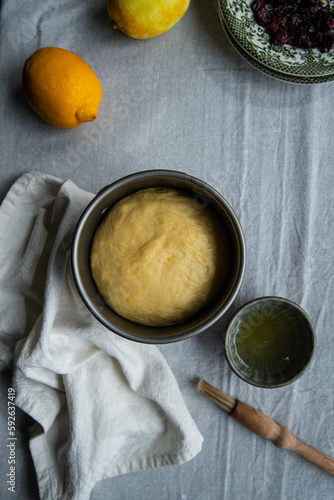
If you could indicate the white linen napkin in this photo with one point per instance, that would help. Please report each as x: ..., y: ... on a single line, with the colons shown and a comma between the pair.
x: 103, y: 405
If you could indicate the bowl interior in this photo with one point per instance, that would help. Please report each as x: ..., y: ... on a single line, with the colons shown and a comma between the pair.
x: 270, y: 342
x: 94, y: 214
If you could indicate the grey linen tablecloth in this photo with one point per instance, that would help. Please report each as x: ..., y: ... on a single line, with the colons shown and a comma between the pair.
x: 187, y: 101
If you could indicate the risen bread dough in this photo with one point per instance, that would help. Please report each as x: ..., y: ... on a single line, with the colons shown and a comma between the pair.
x: 159, y: 256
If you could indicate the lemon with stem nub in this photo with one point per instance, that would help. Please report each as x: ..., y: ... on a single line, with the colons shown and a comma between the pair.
x: 61, y: 87
x: 146, y: 18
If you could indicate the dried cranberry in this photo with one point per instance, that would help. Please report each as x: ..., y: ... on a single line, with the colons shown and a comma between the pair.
x: 262, y: 15
x: 330, y: 22
x: 296, y: 22
x: 301, y: 23
x: 328, y: 43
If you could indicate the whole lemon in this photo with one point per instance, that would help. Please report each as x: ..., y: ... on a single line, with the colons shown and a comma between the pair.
x: 146, y: 18
x: 61, y: 87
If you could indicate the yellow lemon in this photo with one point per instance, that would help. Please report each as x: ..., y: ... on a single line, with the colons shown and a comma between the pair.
x: 146, y: 18
x: 61, y: 87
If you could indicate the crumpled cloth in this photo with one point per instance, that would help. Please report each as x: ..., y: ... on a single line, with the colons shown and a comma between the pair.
x: 103, y: 405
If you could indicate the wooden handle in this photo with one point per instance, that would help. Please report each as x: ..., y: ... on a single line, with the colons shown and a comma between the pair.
x: 265, y: 427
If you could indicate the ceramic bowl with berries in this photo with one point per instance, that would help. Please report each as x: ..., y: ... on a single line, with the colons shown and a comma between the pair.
x: 292, y: 40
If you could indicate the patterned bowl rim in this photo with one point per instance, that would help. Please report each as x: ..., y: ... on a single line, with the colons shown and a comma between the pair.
x: 286, y: 59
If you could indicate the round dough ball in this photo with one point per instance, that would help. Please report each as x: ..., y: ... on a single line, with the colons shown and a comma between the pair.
x: 159, y: 257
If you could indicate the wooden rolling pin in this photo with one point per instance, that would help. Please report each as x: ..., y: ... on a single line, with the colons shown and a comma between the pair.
x: 265, y: 427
